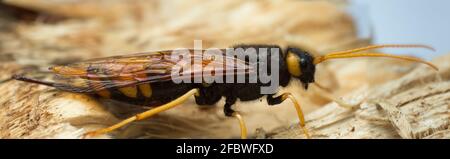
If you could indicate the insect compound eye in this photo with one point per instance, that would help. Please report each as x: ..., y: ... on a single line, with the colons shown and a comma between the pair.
x: 302, y: 62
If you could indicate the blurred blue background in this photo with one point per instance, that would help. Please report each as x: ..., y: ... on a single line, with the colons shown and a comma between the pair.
x: 406, y: 21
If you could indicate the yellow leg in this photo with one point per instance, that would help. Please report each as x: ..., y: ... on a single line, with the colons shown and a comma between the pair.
x: 300, y: 115
x: 145, y: 114
x: 326, y: 93
x: 241, y: 124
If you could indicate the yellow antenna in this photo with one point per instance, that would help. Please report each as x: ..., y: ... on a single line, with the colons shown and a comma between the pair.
x: 372, y: 47
x: 357, y: 53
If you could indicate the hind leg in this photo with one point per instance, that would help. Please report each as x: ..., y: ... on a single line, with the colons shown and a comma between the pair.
x: 145, y: 114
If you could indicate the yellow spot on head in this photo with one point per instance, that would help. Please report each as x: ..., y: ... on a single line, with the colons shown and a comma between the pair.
x: 293, y: 64
x: 129, y: 91
x: 145, y: 89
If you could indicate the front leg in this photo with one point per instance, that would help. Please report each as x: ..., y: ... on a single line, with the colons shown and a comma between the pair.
x: 277, y: 100
x: 230, y: 101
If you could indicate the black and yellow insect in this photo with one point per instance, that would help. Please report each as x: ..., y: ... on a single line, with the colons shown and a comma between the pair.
x: 145, y: 79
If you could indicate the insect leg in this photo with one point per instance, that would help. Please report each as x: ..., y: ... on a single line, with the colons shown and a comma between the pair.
x: 145, y: 114
x: 327, y: 94
x: 231, y: 113
x: 277, y: 100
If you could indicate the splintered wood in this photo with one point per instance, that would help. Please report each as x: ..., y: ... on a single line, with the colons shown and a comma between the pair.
x: 35, y: 34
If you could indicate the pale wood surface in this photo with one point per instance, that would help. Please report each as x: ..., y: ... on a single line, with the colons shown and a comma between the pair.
x: 88, y: 31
